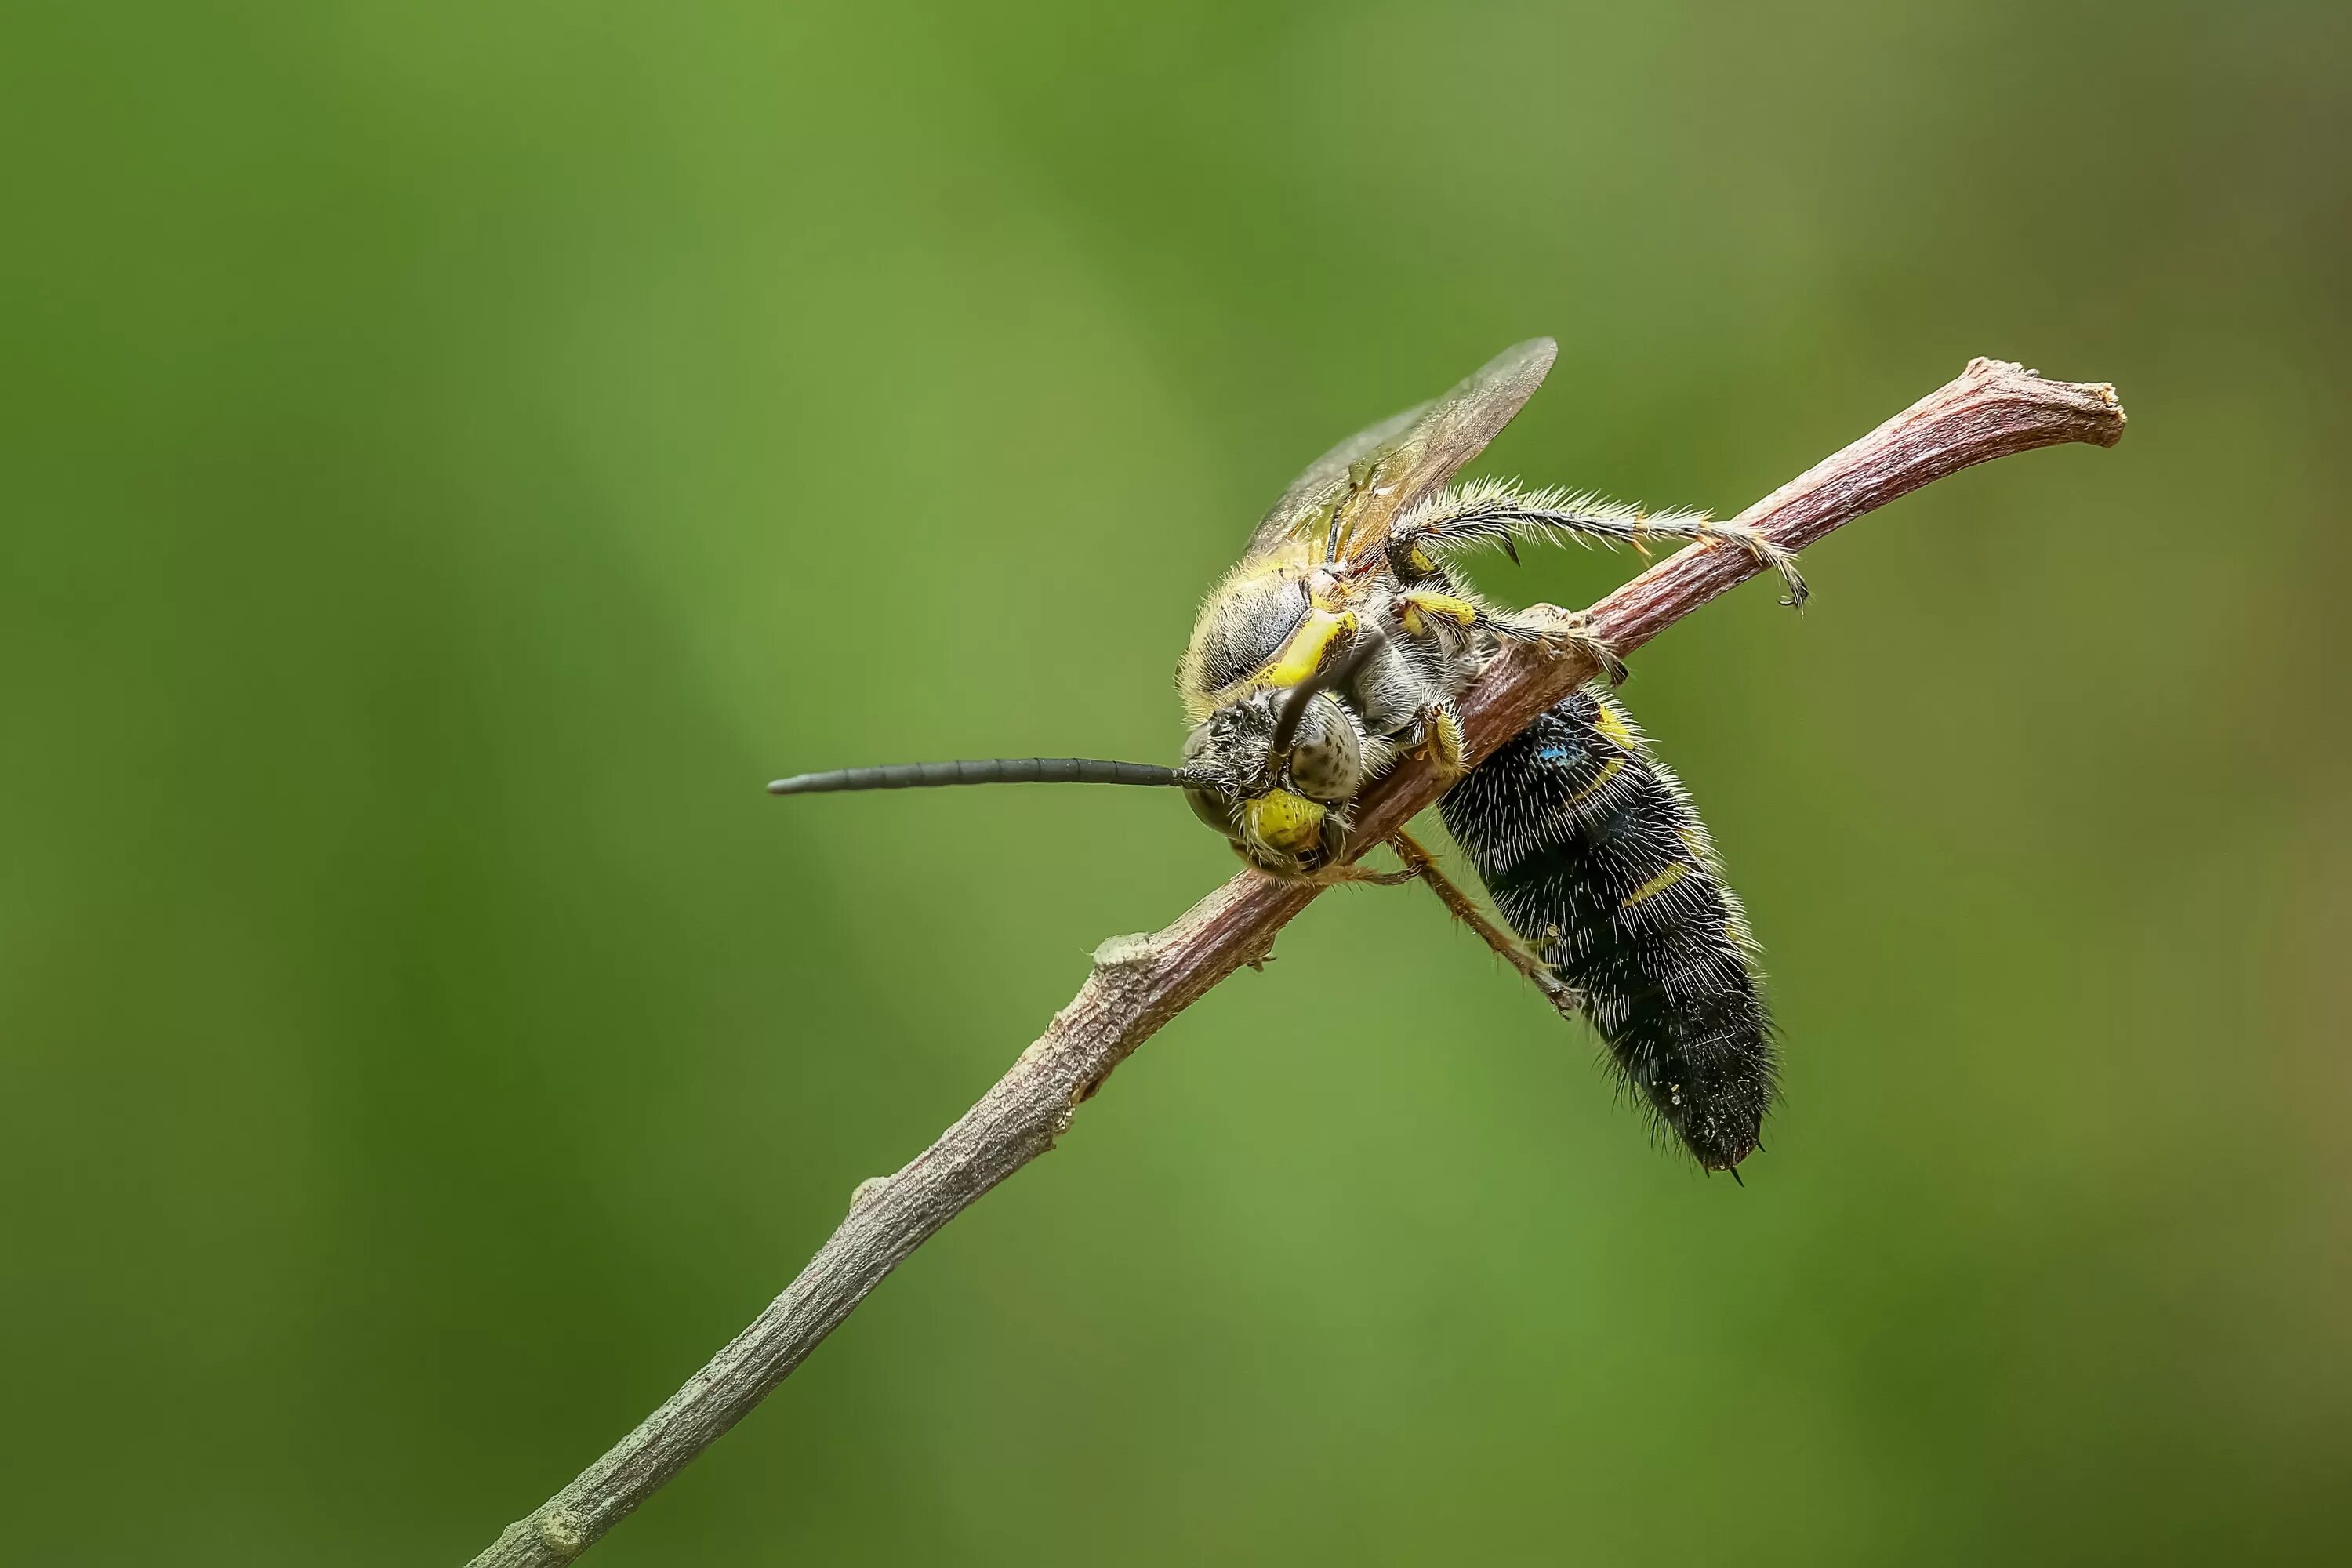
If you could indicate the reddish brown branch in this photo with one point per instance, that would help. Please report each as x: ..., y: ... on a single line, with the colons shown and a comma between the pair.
x: 1139, y: 983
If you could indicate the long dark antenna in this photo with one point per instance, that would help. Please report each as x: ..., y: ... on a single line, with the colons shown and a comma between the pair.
x: 995, y: 769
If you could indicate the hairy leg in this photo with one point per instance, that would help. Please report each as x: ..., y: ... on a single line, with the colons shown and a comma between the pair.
x: 1423, y: 865
x: 1499, y: 512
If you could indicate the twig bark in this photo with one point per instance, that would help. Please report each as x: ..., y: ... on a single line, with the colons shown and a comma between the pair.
x: 1139, y: 983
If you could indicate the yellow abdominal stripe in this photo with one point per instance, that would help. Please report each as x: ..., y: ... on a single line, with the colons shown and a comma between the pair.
x: 1671, y: 877
x: 1611, y: 723
x: 1614, y: 766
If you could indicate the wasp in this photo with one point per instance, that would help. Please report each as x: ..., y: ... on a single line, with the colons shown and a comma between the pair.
x: 1340, y: 644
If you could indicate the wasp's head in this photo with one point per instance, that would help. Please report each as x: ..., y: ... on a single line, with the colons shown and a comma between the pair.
x: 1274, y: 771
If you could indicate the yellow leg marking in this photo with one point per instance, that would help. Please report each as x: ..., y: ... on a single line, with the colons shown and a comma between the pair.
x: 1673, y: 876
x: 1418, y: 606
x: 1447, y: 748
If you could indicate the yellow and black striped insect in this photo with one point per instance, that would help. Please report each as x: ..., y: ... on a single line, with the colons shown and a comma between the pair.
x: 1339, y: 643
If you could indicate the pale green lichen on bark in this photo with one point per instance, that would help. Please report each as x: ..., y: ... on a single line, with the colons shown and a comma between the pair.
x: 563, y: 1531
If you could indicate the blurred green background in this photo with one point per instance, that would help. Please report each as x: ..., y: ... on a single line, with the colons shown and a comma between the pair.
x: 455, y: 454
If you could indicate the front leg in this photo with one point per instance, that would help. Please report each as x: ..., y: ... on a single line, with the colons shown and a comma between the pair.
x: 1443, y: 741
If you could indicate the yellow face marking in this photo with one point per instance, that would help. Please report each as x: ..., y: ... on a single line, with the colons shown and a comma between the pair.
x: 1673, y: 876
x: 1283, y: 822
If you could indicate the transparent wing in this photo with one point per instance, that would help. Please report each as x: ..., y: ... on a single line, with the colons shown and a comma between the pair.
x: 1305, y: 508
x: 1351, y: 494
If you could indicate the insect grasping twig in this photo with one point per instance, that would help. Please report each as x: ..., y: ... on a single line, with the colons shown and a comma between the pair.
x: 1137, y: 983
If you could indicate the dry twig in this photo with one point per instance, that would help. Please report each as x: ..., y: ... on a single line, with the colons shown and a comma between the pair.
x: 1139, y: 983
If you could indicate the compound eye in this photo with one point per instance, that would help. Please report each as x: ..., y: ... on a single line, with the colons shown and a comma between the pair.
x: 1327, y: 764
x: 1215, y: 809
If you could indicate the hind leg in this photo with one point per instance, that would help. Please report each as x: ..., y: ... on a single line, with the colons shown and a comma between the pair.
x: 1499, y: 514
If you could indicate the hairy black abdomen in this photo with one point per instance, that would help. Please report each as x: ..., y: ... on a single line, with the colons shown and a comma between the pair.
x: 1595, y: 855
